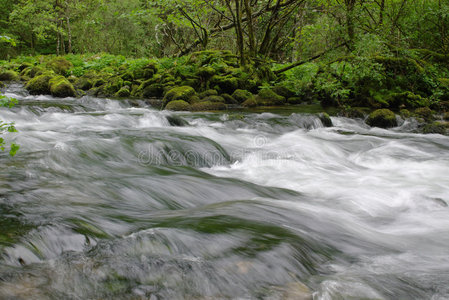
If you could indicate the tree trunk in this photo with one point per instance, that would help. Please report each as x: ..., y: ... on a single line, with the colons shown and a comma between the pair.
x: 249, y: 17
x: 69, y: 35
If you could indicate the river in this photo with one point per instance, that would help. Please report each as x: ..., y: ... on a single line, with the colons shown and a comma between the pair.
x: 111, y: 199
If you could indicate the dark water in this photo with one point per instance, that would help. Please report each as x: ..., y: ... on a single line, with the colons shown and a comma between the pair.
x: 106, y: 200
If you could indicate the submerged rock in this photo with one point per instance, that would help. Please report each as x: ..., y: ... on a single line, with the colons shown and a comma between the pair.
x: 325, y: 119
x: 383, y: 118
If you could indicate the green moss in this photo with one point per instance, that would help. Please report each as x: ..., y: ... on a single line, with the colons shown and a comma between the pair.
x: 61, y: 87
x: 153, y: 90
x: 2, y: 85
x: 407, y: 99
x: 206, y: 72
x: 113, y: 85
x: 207, y: 105
x: 179, y: 93
x: 83, y: 84
x: 226, y: 84
x: 268, y: 97
x: 207, y: 93
x: 383, y: 118
x: 405, y: 113
x: 178, y: 105
x: 59, y: 65
x: 39, y: 85
x: 435, y: 127
x: 36, y: 71
x: 241, y: 95
x: 283, y: 91
x: 251, y: 102
x: 214, y: 99
x: 425, y: 113
x: 229, y: 99
x: 24, y: 66
x: 8, y: 75
x: 325, y: 119
x: 123, y: 92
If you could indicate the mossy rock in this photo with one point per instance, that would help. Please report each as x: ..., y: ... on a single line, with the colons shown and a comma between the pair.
x: 267, y: 97
x: 407, y: 99
x: 83, y: 84
x: 425, y: 113
x: 9, y: 75
x: 123, y: 92
x: 60, y: 65
x: 2, y: 85
x: 214, y: 99
x: 24, y: 66
x: 61, y: 87
x: 207, y: 93
x: 207, y: 105
x: 39, y: 85
x: 283, y: 91
x: 405, y: 113
x: 229, y: 99
x: 36, y: 71
x: 179, y: 93
x: 383, y: 118
x: 251, y: 102
x: 325, y: 119
x: 435, y: 127
x: 153, y: 90
x: 113, y: 85
x: 241, y: 95
x: 226, y: 84
x: 206, y: 72
x: 178, y: 105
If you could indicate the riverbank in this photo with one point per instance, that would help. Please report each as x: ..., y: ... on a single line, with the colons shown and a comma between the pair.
x: 214, y: 80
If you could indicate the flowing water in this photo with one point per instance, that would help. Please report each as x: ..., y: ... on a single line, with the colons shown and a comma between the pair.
x: 110, y: 199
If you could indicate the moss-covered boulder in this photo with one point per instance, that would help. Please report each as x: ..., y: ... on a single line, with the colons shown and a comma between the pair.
x: 435, y: 127
x: 229, y: 99
x: 207, y: 93
x: 178, y: 105
x: 383, y: 118
x: 267, y: 97
x: 36, y: 71
x: 2, y: 85
x: 61, y: 87
x: 59, y: 65
x: 113, y: 85
x: 8, y: 75
x: 39, y: 85
x: 283, y: 91
x: 155, y: 90
x: 83, y: 83
x: 123, y: 92
x: 206, y: 72
x: 251, y: 102
x: 407, y: 99
x: 207, y: 105
x: 226, y: 84
x: 325, y: 119
x: 179, y: 93
x: 241, y: 95
x: 425, y: 113
x: 214, y: 99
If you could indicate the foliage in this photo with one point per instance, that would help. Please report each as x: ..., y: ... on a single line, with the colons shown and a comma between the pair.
x: 7, y: 127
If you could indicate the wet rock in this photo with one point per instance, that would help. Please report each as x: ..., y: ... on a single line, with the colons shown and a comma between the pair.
x: 178, y: 105
x: 325, y: 119
x: 383, y: 118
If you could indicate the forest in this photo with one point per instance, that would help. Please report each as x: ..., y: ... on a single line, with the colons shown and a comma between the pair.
x: 350, y: 54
